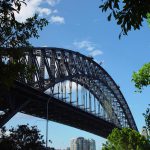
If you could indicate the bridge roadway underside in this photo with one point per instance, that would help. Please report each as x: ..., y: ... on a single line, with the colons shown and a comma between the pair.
x: 59, y: 111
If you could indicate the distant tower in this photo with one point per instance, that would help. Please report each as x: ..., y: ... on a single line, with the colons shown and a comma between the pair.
x: 81, y: 143
x: 73, y: 144
x: 144, y: 132
x: 92, y: 145
x: 85, y: 144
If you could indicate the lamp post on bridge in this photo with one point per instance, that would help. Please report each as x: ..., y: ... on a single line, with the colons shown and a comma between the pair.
x: 47, y: 112
x: 47, y: 122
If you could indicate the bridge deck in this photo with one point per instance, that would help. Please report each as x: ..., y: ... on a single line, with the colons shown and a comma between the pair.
x: 59, y: 111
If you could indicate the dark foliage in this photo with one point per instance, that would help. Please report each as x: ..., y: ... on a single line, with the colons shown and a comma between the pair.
x: 147, y: 118
x: 15, y: 36
x: 128, y: 13
x: 22, y: 138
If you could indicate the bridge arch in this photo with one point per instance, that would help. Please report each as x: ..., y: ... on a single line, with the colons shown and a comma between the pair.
x: 54, y: 65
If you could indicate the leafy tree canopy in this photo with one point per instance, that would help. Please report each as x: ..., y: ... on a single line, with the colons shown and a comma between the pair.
x: 128, y: 13
x: 147, y: 119
x: 15, y: 35
x: 22, y: 138
x: 141, y: 78
x: 126, y: 139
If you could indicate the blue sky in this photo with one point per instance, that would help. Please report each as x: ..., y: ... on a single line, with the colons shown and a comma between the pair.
x: 81, y: 26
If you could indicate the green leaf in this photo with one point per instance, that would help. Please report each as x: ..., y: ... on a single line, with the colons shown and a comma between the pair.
x: 109, y: 17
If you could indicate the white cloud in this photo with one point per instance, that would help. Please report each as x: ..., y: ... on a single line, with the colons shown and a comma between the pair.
x: 74, y: 86
x: 52, y: 2
x: 44, y: 46
x: 44, y: 11
x: 57, y: 20
x: 55, y: 11
x: 7, y: 133
x: 65, y: 84
x: 35, y: 6
x: 84, y: 45
x: 96, y: 53
x: 88, y: 46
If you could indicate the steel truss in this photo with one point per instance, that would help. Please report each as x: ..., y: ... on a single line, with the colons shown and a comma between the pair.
x: 54, y: 66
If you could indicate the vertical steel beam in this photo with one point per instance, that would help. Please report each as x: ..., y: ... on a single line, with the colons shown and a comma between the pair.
x: 70, y: 88
x: 77, y: 96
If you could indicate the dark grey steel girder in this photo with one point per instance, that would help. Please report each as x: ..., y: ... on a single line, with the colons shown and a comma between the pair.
x: 55, y: 65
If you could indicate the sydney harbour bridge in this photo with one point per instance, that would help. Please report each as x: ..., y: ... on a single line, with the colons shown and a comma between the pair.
x: 76, y: 90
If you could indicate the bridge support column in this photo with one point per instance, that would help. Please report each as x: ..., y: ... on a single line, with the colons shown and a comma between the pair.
x: 11, y: 109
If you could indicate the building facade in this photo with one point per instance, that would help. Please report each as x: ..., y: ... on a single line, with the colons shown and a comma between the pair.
x: 92, y: 145
x: 145, y: 132
x: 81, y: 143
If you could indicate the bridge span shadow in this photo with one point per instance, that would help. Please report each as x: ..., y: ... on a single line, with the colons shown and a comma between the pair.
x: 33, y: 102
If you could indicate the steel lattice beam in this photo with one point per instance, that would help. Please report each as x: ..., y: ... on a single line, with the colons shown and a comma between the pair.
x: 55, y: 65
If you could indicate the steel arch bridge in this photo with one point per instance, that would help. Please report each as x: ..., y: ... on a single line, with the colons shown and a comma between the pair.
x: 78, y: 91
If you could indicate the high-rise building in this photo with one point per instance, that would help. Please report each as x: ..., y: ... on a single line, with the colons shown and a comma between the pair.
x: 73, y: 144
x: 81, y: 143
x: 92, y: 145
x: 85, y: 144
x: 144, y: 132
